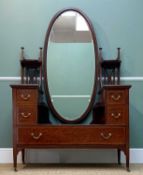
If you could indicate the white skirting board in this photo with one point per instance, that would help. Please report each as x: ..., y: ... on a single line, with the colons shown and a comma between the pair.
x: 71, y: 156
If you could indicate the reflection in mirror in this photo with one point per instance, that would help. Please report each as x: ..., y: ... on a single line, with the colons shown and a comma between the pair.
x: 70, y: 65
x: 70, y: 27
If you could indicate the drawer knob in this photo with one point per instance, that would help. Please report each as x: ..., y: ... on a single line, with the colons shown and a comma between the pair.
x: 25, y: 97
x: 116, y: 98
x: 116, y: 116
x: 25, y: 116
x: 36, y: 137
x: 107, y: 136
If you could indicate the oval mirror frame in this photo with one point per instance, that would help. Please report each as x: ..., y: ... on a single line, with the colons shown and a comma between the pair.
x: 93, y: 94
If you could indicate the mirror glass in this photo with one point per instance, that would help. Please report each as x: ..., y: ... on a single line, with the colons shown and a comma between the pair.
x: 70, y: 65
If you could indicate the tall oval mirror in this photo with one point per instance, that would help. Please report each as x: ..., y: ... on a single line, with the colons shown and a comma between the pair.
x: 70, y: 63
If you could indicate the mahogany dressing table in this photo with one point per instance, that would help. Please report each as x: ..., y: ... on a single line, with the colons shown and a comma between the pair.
x: 32, y: 127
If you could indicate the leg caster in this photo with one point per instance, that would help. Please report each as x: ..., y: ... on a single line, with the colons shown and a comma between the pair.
x: 128, y: 169
x: 15, y: 168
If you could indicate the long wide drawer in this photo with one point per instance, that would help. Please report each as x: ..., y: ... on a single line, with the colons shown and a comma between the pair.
x: 71, y: 135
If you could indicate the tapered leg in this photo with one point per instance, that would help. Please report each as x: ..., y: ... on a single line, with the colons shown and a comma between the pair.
x: 119, y: 156
x: 23, y: 156
x: 15, y: 159
x: 127, y: 160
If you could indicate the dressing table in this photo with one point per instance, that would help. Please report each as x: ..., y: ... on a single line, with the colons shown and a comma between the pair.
x: 105, y: 102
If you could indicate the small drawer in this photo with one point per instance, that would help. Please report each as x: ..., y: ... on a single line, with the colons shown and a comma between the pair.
x: 116, y: 115
x: 26, y: 114
x: 71, y: 135
x: 27, y: 96
x: 32, y: 135
x: 111, y: 135
x: 116, y: 97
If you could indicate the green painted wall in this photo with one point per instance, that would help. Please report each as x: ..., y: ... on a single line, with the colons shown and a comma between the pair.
x: 117, y: 24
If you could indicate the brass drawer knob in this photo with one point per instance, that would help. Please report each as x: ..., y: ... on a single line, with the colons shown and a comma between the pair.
x: 25, y: 97
x: 116, y: 98
x: 107, y: 136
x: 36, y: 137
x: 25, y: 116
x: 116, y: 116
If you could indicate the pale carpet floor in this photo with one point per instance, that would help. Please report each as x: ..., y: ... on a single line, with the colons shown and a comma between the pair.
x: 98, y: 169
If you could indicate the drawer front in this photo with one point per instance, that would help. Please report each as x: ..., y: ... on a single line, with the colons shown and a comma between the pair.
x: 110, y: 135
x: 26, y: 114
x: 116, y: 97
x: 116, y: 114
x: 71, y: 136
x: 27, y: 96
